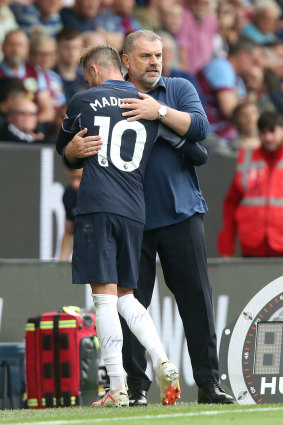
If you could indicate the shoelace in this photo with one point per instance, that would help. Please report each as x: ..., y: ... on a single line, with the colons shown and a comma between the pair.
x: 215, y: 385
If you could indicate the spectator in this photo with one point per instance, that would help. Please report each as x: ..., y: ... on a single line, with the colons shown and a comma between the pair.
x: 120, y: 18
x: 52, y: 129
x: 270, y: 96
x: 22, y: 122
x: 92, y: 38
x: 117, y: 22
x: 196, y: 35
x: 276, y: 61
x: 7, y: 20
x: 245, y: 117
x: 254, y: 80
x: 244, y: 12
x: 43, y: 54
x: 265, y: 23
x: 222, y: 83
x: 82, y: 15
x: 70, y: 201
x: 168, y: 70
x: 116, y: 38
x: 171, y: 17
x: 228, y: 28
x: 14, y: 64
x: 10, y: 89
x: 42, y: 14
x: 253, y: 206
x: 148, y: 15
x: 69, y: 42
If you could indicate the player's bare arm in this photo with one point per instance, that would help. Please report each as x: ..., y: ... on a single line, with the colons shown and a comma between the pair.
x: 82, y: 147
x: 147, y: 108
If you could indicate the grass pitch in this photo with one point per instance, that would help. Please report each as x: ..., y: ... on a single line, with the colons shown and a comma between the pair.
x: 182, y: 414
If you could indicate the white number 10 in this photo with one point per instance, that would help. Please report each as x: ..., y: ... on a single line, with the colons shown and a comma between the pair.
x: 116, y: 141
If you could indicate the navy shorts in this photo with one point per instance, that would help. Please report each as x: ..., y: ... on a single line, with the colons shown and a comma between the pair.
x: 107, y: 249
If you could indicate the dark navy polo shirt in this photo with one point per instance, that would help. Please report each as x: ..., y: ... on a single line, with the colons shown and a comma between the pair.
x: 171, y: 187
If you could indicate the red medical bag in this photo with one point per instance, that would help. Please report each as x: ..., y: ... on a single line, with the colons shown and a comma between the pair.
x: 61, y: 359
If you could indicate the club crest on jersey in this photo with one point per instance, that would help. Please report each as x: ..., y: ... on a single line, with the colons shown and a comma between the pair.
x: 111, y: 101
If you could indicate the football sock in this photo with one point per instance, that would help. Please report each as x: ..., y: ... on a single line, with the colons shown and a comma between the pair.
x: 110, y: 337
x: 141, y: 324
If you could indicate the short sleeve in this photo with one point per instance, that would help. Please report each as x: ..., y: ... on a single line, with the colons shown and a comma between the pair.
x: 220, y: 74
x: 72, y: 119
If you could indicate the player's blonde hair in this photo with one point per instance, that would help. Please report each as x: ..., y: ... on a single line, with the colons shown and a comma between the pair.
x: 103, y: 55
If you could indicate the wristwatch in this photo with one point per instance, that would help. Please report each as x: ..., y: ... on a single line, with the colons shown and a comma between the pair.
x: 162, y: 112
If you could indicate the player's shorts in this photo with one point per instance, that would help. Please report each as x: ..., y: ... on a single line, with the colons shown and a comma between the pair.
x: 107, y: 249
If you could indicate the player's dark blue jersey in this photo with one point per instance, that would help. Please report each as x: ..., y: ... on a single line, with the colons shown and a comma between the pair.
x: 112, y: 180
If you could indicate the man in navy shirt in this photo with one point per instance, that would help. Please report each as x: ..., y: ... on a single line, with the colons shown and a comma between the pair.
x: 174, y: 219
x: 110, y: 214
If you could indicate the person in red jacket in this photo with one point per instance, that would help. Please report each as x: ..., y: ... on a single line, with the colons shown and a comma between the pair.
x: 253, y: 206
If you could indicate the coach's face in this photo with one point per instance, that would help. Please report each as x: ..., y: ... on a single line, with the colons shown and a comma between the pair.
x: 144, y: 63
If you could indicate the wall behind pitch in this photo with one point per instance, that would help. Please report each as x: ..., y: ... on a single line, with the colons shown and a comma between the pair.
x: 32, y: 180
x: 32, y: 216
x: 29, y: 288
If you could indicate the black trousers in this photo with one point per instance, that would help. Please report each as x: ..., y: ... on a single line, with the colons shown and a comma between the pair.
x: 181, y: 249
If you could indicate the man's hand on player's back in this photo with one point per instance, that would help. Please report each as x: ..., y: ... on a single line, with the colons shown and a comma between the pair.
x: 82, y: 147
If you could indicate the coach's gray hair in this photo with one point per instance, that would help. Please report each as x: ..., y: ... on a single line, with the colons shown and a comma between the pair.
x: 129, y: 42
x: 103, y: 55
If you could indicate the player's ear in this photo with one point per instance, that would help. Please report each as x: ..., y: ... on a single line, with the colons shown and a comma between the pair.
x: 94, y: 69
x: 125, y: 59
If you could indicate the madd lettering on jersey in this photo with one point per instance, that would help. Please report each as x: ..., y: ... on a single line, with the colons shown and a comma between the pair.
x: 111, y: 101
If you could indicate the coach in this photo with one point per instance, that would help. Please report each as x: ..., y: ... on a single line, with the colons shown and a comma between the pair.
x: 174, y: 219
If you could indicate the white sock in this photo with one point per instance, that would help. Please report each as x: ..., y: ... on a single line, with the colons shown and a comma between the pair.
x: 110, y: 337
x: 142, y: 326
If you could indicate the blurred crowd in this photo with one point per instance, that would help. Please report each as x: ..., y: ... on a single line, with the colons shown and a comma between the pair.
x: 231, y: 50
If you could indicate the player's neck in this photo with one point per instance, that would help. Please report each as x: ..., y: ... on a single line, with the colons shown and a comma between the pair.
x: 113, y: 75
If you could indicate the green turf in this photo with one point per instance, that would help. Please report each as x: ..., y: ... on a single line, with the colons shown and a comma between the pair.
x: 182, y: 414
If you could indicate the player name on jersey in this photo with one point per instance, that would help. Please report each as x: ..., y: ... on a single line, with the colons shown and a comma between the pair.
x: 111, y: 101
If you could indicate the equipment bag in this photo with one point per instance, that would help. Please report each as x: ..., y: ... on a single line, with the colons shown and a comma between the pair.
x: 61, y: 359
x: 12, y: 375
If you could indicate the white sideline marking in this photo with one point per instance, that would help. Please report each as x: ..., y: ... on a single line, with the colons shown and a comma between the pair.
x: 131, y: 418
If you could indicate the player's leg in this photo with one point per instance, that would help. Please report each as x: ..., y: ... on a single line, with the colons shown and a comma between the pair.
x: 183, y: 257
x: 109, y: 333
x: 135, y: 314
x: 134, y: 354
x: 141, y: 325
x: 94, y: 262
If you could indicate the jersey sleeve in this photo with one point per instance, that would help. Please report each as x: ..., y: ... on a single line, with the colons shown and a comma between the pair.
x: 72, y: 120
x: 195, y: 153
x: 170, y: 136
x: 71, y: 124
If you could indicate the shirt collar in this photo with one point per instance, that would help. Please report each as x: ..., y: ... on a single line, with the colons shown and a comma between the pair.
x: 20, y: 73
x: 118, y: 83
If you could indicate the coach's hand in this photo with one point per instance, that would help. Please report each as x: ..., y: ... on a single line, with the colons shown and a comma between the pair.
x: 145, y: 108
x: 82, y: 146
